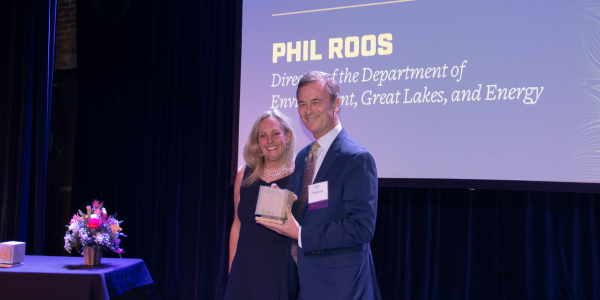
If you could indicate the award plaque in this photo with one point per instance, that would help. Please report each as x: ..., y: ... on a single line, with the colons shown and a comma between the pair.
x: 270, y: 206
x: 12, y: 254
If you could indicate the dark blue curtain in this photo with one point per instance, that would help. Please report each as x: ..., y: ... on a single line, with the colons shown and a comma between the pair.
x: 154, y: 133
x: 155, y: 130
x: 27, y: 62
x: 461, y: 244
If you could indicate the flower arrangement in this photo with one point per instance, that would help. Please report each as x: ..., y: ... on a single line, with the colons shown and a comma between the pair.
x: 95, y: 228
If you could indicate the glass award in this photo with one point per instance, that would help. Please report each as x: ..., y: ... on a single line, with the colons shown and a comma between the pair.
x: 270, y: 206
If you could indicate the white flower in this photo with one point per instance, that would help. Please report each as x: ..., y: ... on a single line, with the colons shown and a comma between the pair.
x: 102, y: 239
x: 83, y: 234
x: 74, y: 227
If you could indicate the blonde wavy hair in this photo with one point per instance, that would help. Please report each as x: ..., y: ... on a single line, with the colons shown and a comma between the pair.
x: 252, y: 155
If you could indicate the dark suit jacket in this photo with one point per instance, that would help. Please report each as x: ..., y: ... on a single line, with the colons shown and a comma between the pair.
x: 335, y: 259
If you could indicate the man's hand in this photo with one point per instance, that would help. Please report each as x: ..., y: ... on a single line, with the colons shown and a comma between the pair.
x: 274, y: 186
x: 290, y: 228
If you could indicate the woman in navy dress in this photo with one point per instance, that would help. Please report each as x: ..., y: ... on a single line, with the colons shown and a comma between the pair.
x: 258, y: 256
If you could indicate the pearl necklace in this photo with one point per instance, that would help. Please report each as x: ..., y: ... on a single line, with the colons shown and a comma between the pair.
x: 270, y: 176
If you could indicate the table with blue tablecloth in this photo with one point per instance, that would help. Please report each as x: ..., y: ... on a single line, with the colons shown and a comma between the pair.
x: 60, y: 277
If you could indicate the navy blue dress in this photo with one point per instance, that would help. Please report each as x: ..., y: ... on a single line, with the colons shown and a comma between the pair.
x: 259, y: 268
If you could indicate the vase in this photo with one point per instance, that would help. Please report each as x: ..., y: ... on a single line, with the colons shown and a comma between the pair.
x: 92, y: 255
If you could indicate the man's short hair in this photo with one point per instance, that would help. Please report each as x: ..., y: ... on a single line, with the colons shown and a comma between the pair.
x: 333, y: 88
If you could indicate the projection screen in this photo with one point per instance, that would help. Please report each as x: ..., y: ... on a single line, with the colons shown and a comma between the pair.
x: 449, y: 90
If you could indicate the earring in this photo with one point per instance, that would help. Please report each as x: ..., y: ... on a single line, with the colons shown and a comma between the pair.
x: 287, y: 146
x: 259, y: 151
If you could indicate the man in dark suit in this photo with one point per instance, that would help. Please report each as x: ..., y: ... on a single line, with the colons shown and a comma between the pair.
x: 336, y: 179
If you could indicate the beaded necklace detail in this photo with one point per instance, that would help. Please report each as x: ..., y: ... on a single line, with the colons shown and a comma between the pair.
x: 269, y: 176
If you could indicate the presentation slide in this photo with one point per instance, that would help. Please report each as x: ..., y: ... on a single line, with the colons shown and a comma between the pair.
x: 464, y: 89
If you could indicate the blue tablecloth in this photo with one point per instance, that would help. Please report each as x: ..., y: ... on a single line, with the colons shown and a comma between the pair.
x: 60, y: 277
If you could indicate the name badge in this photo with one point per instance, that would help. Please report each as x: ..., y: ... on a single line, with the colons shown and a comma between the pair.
x: 318, y: 195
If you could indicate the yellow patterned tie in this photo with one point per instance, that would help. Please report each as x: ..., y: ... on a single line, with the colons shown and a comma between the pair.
x: 309, y: 172
x: 307, y: 179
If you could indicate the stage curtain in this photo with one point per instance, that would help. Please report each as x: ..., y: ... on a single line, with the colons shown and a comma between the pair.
x: 461, y: 244
x: 154, y: 134
x: 26, y: 64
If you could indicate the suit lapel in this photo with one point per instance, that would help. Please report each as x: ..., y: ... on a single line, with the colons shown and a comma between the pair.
x: 330, y: 158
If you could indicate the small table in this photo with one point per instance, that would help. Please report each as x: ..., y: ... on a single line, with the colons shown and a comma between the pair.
x: 62, y: 277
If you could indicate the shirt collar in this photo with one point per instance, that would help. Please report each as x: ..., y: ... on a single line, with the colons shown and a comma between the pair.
x: 326, y: 140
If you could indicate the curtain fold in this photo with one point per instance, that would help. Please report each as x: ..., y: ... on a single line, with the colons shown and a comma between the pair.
x: 27, y: 65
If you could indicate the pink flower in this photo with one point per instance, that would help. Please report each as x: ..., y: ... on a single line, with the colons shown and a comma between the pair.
x: 97, y: 204
x: 93, y: 223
